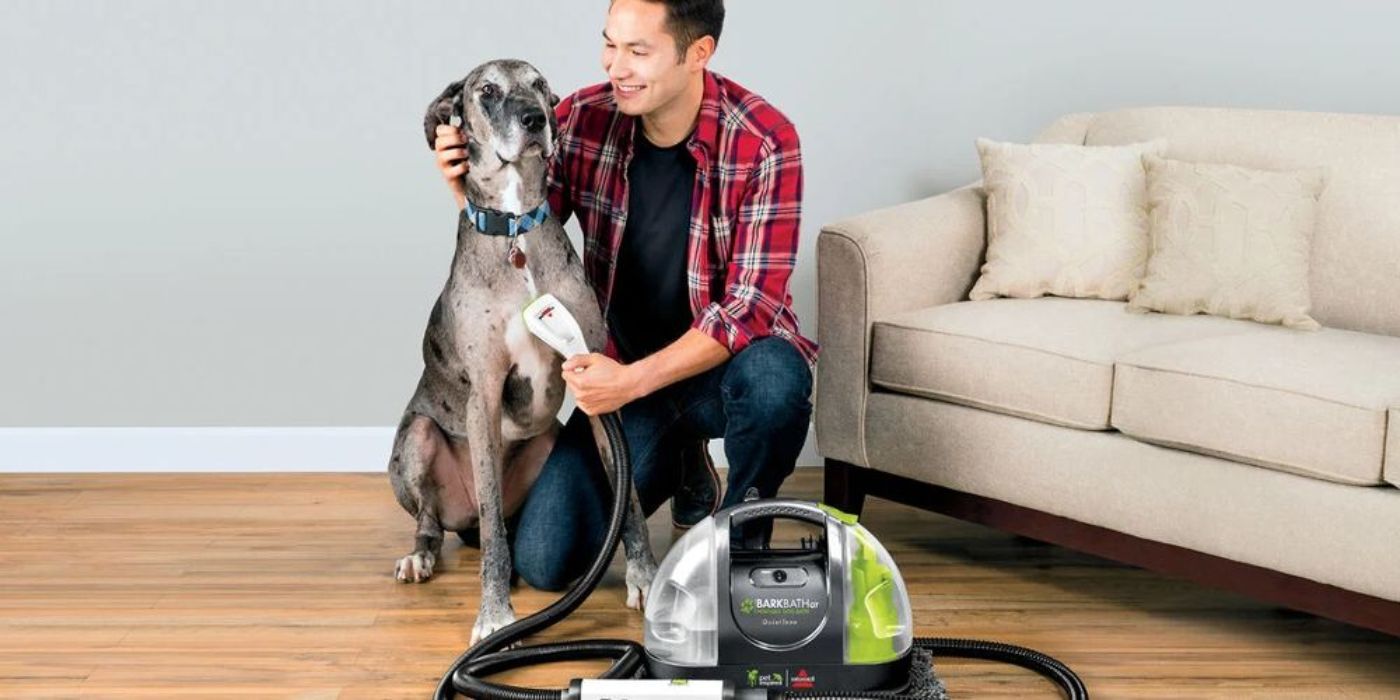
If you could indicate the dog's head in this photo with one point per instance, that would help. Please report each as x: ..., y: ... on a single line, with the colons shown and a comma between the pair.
x: 505, y: 110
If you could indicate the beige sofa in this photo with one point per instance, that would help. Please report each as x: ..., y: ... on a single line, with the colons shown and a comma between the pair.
x: 1253, y: 457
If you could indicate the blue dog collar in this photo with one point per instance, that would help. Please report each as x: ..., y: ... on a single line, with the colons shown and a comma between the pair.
x: 500, y: 223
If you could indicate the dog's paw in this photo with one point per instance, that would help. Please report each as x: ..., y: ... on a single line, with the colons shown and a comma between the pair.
x: 639, y: 576
x: 487, y: 623
x: 415, y: 568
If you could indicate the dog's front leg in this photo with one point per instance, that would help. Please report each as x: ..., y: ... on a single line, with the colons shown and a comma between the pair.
x: 484, y: 436
x: 636, y: 543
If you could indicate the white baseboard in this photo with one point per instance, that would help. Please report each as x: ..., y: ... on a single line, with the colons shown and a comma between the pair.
x: 218, y: 449
x: 215, y: 449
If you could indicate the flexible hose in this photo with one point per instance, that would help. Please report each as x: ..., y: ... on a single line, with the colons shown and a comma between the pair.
x: 492, y: 655
x: 1045, y: 665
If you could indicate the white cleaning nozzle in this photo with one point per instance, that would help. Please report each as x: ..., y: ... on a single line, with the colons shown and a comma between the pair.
x: 547, y: 318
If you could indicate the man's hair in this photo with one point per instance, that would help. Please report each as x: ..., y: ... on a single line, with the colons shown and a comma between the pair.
x: 688, y: 20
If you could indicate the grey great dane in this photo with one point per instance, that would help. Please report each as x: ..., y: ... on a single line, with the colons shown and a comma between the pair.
x: 483, y: 418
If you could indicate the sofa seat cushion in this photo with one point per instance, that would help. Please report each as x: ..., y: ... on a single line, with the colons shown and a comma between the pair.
x: 1311, y: 403
x: 1049, y: 359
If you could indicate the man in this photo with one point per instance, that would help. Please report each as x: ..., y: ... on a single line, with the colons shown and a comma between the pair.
x: 688, y: 189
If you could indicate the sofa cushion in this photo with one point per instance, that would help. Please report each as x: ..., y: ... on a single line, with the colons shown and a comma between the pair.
x: 1332, y: 533
x: 1308, y: 403
x: 1048, y: 359
x: 1392, y: 447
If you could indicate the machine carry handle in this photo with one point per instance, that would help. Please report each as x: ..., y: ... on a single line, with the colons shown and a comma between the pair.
x: 777, y: 508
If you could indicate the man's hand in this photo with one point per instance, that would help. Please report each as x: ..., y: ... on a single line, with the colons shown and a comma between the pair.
x: 600, y: 383
x: 451, y: 151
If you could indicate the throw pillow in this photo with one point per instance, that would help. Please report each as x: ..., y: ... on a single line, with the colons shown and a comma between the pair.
x: 1063, y: 220
x: 1229, y: 241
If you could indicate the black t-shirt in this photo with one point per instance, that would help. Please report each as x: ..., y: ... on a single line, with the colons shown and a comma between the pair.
x: 650, y: 305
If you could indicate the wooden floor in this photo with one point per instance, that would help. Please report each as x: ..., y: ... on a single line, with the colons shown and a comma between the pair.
x: 261, y: 585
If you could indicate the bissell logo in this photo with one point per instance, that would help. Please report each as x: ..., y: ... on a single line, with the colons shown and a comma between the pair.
x: 802, y: 680
x: 545, y: 313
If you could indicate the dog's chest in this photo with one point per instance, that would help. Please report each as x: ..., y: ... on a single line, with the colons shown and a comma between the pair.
x: 533, y: 389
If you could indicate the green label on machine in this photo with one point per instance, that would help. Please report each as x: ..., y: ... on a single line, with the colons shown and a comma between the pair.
x: 765, y: 679
x: 778, y: 606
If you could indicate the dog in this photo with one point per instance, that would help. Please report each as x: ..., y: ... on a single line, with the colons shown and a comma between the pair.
x: 482, y: 420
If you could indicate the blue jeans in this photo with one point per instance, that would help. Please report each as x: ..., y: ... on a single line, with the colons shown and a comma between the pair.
x: 758, y: 401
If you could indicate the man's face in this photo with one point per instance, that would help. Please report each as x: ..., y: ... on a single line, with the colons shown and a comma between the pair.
x: 640, y: 57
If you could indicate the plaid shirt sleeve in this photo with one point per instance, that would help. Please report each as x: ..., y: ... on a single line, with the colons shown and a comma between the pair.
x: 765, y: 247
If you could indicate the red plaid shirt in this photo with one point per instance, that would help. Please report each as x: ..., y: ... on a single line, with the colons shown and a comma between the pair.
x: 745, y: 207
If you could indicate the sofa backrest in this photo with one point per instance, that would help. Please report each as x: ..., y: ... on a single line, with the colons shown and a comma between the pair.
x: 1355, y: 276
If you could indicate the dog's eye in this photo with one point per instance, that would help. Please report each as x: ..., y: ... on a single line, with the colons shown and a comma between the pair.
x: 490, y: 90
x: 539, y: 85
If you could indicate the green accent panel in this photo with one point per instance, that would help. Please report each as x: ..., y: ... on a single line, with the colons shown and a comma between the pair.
x: 839, y: 514
x: 872, y: 620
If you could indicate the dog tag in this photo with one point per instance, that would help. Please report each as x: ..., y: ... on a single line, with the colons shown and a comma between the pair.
x: 517, y: 257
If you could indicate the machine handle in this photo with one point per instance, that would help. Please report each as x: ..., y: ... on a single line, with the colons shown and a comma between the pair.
x: 776, y: 508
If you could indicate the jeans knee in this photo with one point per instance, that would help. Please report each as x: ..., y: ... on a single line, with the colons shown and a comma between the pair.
x: 551, y: 555
x: 545, y: 568
x: 770, y: 381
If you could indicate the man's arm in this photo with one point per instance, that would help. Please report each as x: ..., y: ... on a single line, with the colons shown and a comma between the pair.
x: 692, y: 353
x: 764, y: 255
x: 764, y: 250
x: 603, y: 385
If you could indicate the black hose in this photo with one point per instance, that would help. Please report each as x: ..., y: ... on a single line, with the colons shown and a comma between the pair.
x: 492, y: 655
x: 1045, y: 665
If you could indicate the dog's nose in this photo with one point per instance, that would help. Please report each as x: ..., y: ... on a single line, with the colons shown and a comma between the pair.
x: 533, y: 120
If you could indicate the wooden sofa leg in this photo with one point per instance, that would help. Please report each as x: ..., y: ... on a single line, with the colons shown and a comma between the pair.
x: 845, y: 488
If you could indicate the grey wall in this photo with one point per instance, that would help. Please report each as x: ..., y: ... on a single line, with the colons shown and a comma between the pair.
x: 224, y: 213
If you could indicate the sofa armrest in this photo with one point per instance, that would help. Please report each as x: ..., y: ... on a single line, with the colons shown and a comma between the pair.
x: 910, y: 256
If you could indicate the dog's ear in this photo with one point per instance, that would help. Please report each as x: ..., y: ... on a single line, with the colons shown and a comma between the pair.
x: 442, y: 110
x: 553, y: 122
x: 553, y: 115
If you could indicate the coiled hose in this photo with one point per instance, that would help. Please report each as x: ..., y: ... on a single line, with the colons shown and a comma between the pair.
x: 492, y: 655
